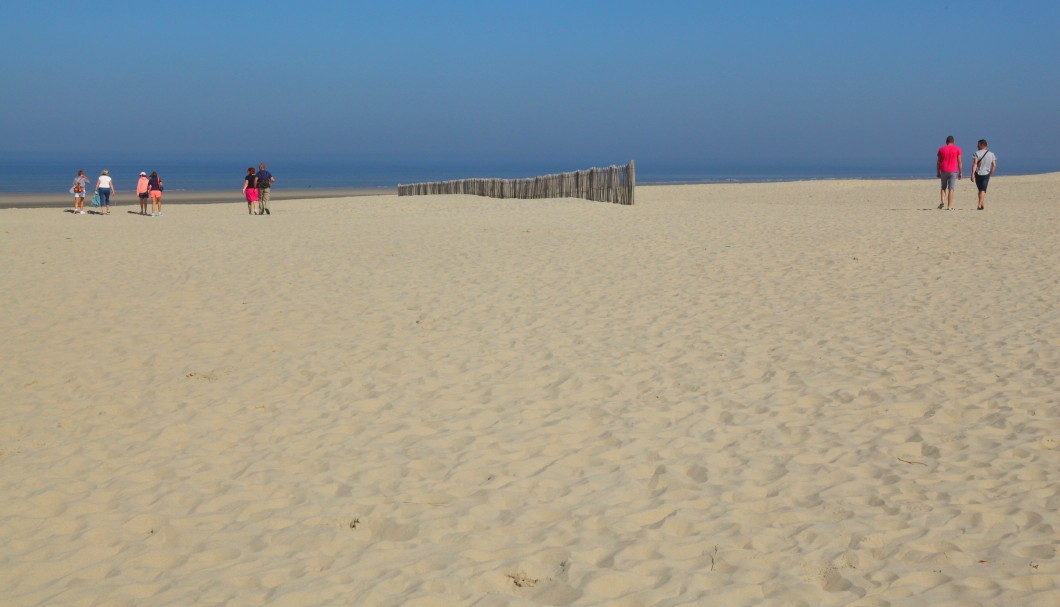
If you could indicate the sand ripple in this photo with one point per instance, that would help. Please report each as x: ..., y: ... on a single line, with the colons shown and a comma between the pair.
x: 789, y: 394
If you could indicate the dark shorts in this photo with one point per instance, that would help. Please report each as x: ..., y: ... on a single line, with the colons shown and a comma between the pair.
x: 143, y: 195
x: 981, y: 181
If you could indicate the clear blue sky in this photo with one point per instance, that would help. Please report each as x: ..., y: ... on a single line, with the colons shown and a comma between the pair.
x: 696, y: 84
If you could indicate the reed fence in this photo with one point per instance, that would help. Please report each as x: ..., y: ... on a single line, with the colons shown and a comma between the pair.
x: 612, y: 184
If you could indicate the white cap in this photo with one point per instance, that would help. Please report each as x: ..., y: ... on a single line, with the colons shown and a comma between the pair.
x: 143, y: 173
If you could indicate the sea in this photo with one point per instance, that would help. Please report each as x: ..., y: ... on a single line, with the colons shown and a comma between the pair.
x: 43, y: 176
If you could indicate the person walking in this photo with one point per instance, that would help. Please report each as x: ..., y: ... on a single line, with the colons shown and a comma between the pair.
x: 78, y: 189
x: 250, y: 191
x: 142, y: 193
x: 154, y: 186
x: 983, y: 167
x: 264, y: 184
x: 105, y: 187
x: 949, y: 169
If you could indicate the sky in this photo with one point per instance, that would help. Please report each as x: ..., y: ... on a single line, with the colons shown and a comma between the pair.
x: 699, y: 85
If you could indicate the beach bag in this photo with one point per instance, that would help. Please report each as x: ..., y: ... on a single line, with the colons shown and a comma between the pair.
x: 95, y: 199
x: 77, y: 189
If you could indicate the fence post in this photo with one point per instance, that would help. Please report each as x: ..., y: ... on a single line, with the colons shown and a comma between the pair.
x: 632, y: 181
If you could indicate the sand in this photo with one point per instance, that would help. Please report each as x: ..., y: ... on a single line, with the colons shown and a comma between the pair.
x: 26, y: 200
x: 814, y: 393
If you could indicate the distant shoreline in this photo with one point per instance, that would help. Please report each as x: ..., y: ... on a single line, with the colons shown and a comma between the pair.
x: 32, y: 200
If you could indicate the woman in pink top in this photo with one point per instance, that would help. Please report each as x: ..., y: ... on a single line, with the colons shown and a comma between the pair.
x: 141, y: 192
x: 250, y: 191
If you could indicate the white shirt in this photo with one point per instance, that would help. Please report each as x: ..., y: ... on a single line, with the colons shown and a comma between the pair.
x: 986, y: 160
x: 104, y: 181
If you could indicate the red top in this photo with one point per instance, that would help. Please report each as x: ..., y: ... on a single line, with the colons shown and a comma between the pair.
x: 948, y: 155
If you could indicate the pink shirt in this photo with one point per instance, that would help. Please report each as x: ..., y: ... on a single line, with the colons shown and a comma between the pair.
x: 948, y: 155
x: 141, y: 185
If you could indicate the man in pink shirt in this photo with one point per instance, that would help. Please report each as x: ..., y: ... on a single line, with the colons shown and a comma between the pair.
x: 950, y: 169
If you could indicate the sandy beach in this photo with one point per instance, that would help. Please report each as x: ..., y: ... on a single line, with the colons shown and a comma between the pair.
x: 820, y: 393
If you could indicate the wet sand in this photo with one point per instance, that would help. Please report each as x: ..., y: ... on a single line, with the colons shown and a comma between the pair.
x: 35, y: 201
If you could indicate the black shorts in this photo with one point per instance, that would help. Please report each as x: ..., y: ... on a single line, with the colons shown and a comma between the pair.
x: 981, y: 181
x: 143, y: 196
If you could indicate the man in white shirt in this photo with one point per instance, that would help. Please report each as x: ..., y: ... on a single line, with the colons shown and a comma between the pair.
x: 982, y: 168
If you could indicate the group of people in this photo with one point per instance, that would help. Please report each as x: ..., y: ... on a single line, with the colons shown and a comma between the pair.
x: 950, y: 169
x: 147, y: 188
x: 150, y: 187
x: 257, y: 185
x: 256, y: 189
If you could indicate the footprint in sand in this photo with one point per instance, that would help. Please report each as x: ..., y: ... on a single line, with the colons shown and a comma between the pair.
x: 213, y: 375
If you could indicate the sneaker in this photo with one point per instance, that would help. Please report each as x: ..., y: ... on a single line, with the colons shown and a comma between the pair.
x: 268, y: 212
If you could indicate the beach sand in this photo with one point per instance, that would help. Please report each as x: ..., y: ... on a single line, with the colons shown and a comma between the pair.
x: 813, y: 393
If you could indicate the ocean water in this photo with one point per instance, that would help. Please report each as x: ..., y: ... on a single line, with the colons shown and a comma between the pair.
x: 44, y: 177
x: 34, y: 176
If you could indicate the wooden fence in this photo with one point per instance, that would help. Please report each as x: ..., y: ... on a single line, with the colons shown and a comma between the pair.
x: 613, y: 184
